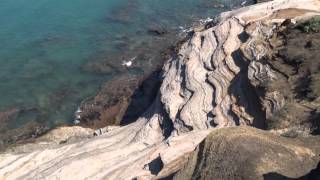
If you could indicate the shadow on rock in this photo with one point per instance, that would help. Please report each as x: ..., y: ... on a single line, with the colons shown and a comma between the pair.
x: 313, y: 175
x: 142, y: 98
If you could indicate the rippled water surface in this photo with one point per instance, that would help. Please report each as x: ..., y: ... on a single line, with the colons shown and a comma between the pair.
x: 51, y: 50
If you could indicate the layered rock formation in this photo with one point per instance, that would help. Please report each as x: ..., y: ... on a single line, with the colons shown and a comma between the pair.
x: 209, y: 83
x: 286, y: 75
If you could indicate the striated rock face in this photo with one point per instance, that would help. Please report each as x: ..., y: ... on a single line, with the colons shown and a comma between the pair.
x: 284, y: 69
x: 208, y: 84
x: 217, y: 73
x: 195, y: 93
x: 248, y: 153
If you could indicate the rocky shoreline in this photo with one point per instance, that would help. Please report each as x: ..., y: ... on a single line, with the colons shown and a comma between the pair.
x: 246, y: 69
x: 120, y: 100
x: 116, y: 102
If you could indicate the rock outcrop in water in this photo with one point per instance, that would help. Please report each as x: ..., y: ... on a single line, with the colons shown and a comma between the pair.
x: 210, y: 83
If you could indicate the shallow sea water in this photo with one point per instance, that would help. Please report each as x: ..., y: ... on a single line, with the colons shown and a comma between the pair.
x: 46, y: 46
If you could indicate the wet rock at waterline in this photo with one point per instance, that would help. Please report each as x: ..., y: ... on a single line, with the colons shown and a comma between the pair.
x: 22, y: 135
x: 110, y: 104
x: 120, y: 101
x: 23, y: 132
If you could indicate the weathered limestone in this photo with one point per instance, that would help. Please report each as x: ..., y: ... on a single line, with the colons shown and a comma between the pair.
x: 204, y: 87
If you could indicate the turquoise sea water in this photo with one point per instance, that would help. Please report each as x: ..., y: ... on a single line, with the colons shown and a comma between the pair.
x: 46, y: 44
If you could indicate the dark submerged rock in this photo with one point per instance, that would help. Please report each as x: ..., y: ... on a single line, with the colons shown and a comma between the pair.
x: 157, y: 30
x: 108, y: 106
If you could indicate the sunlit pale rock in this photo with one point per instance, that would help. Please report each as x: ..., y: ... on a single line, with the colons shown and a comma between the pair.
x: 203, y: 89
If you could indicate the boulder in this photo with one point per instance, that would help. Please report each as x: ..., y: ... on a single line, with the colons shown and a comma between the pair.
x: 252, y: 154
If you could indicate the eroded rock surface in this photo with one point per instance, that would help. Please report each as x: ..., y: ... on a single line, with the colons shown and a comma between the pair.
x: 248, y: 153
x: 206, y: 85
x: 283, y: 68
